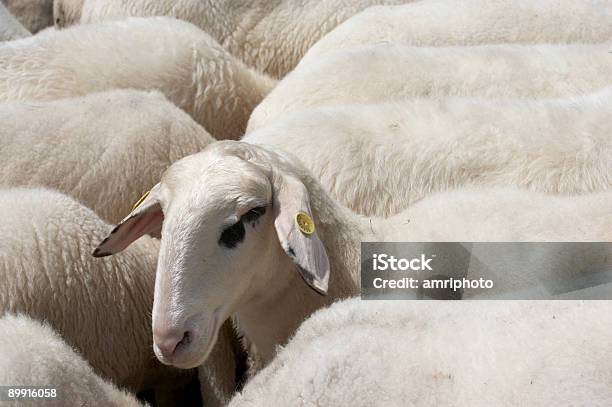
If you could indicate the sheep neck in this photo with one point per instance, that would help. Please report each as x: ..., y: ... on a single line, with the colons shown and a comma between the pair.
x: 288, y: 306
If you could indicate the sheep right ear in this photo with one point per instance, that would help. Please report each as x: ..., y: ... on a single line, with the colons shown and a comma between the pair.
x: 296, y: 233
x: 146, y: 218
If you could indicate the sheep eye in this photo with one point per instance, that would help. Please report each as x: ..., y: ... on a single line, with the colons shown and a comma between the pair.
x: 231, y: 236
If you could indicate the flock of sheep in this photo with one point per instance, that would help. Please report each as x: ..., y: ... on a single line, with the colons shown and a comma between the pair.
x: 376, y: 120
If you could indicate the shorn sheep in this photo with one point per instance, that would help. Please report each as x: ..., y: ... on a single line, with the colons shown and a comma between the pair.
x: 395, y: 72
x: 163, y: 54
x: 270, y: 36
x: 33, y: 354
x: 377, y: 159
x: 476, y: 353
x: 34, y: 15
x: 105, y: 149
x: 10, y: 28
x: 102, y: 308
x: 473, y: 22
x: 239, y: 219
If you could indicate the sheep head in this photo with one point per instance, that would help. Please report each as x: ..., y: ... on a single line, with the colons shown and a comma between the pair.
x: 235, y: 218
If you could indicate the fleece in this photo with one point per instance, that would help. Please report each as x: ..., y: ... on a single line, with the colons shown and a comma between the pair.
x: 473, y: 22
x: 104, y: 149
x: 174, y: 57
x: 411, y: 353
x: 384, y: 72
x: 270, y: 36
x: 379, y: 158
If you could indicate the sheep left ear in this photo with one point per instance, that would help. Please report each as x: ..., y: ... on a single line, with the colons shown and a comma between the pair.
x: 146, y: 217
x: 296, y: 232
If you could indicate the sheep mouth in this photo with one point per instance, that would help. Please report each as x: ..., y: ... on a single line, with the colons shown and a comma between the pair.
x: 187, y: 356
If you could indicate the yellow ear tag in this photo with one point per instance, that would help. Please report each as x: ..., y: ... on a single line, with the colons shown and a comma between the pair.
x: 304, y: 223
x: 142, y: 198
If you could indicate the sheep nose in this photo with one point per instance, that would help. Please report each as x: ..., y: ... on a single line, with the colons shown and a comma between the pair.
x: 169, y: 341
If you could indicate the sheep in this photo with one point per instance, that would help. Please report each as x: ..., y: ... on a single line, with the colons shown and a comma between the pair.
x: 385, y: 72
x: 104, y: 149
x: 33, y: 354
x: 10, y: 28
x: 268, y: 36
x: 35, y: 15
x: 238, y: 217
x: 378, y: 159
x: 397, y: 353
x: 473, y: 22
x: 161, y: 53
x: 102, y: 308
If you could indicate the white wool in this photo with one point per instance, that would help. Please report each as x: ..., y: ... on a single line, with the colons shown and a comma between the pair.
x: 104, y: 149
x: 468, y: 353
x: 101, y: 306
x: 473, y: 22
x: 377, y: 159
x: 35, y: 15
x: 10, y: 28
x: 384, y: 72
x: 270, y: 36
x: 34, y: 354
x: 174, y: 57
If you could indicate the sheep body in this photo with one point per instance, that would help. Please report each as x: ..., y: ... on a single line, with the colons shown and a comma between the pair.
x: 270, y: 36
x: 33, y: 354
x: 398, y: 353
x: 385, y: 72
x: 377, y: 159
x: 161, y: 53
x: 104, y: 149
x: 10, y: 28
x: 259, y: 279
x: 473, y: 22
x: 35, y: 15
x: 50, y: 275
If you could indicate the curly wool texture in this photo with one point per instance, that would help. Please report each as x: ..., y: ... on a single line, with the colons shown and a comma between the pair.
x: 270, y: 36
x: 396, y: 72
x: 10, y: 28
x: 378, y: 159
x: 184, y: 63
x: 473, y: 22
x: 33, y: 354
x: 104, y: 149
x: 488, y: 353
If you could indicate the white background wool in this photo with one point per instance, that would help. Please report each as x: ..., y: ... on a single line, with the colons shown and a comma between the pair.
x: 473, y: 22
x: 396, y: 72
x: 270, y: 36
x: 174, y: 57
x: 105, y: 149
x: 482, y: 353
x: 33, y: 354
x: 377, y: 159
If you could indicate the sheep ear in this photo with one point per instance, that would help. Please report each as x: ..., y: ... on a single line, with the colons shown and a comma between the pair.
x: 146, y: 218
x: 297, y: 235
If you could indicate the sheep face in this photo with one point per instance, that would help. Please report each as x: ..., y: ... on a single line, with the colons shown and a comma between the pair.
x: 230, y: 233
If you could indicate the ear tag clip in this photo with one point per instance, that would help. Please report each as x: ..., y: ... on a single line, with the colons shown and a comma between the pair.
x: 142, y: 198
x: 304, y: 223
